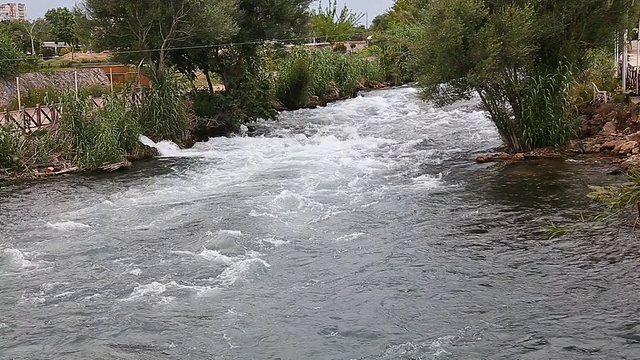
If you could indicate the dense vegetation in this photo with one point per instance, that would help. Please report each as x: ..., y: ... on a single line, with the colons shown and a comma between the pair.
x: 530, y: 63
x: 520, y: 57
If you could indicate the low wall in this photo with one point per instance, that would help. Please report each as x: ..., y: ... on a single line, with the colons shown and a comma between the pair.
x: 59, y: 80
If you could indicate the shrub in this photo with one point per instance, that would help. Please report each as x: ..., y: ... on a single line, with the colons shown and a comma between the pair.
x: 292, y: 87
x: 9, y: 147
x: 95, y: 137
x: 331, y: 70
x: 163, y: 112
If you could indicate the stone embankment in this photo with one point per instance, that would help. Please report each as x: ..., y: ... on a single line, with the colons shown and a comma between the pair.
x: 58, y: 80
x: 611, y: 130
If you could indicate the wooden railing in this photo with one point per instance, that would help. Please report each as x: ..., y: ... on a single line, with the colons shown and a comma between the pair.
x: 29, y: 120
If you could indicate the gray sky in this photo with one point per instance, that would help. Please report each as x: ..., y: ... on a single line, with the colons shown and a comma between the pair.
x: 37, y: 8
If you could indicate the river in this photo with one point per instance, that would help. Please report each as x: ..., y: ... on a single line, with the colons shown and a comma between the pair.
x: 363, y: 230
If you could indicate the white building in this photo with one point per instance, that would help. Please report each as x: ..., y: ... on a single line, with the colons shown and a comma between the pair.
x: 13, y: 11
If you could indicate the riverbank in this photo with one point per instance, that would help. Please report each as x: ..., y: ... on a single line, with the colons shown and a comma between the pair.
x: 201, y: 130
x: 610, y: 130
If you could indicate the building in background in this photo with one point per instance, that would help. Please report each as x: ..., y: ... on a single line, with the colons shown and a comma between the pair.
x: 13, y: 11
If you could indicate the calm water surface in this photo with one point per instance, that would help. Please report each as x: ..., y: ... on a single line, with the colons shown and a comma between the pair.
x: 359, y: 231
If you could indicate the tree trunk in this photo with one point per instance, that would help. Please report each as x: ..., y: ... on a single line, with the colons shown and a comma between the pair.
x: 161, y: 62
x: 206, y: 74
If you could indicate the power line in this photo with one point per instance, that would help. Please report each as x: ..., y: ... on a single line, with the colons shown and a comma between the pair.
x: 195, y: 47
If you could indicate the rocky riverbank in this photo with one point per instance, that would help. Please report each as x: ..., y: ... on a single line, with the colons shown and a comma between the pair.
x: 607, y: 130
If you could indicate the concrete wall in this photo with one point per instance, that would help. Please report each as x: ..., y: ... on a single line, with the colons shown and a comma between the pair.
x: 59, y: 80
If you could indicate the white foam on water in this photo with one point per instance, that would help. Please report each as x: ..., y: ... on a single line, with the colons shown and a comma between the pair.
x: 217, y: 256
x: 350, y: 237
x: 148, y: 290
x: 64, y: 294
x: 14, y: 259
x: 165, y: 148
x: 275, y: 242
x: 135, y: 272
x: 239, y: 271
x: 236, y: 233
x: 67, y: 226
x: 201, y: 291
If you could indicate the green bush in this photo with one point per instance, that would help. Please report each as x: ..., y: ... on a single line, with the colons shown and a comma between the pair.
x: 542, y: 116
x: 292, y: 87
x: 332, y: 71
x: 248, y: 97
x: 163, y: 112
x: 9, y: 147
x: 94, y: 137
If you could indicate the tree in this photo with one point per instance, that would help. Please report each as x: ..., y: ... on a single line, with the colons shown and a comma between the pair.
x: 332, y: 25
x: 10, y: 57
x: 381, y: 22
x: 148, y: 29
x: 18, y: 32
x: 63, y: 23
x: 518, y: 56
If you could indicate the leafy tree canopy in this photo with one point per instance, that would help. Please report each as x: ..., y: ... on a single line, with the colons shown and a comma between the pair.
x: 509, y: 52
x: 331, y: 24
x: 148, y: 29
x: 9, y: 55
x: 63, y: 25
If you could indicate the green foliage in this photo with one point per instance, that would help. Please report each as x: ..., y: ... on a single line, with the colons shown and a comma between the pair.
x: 510, y: 53
x: 9, y: 147
x: 554, y: 231
x: 163, y: 112
x: 136, y: 26
x: 49, y: 95
x: 331, y: 25
x: 540, y: 117
x: 618, y: 199
x: 9, y: 57
x: 63, y: 25
x: 292, y: 87
x: 395, y: 46
x: 92, y: 136
x: 334, y: 75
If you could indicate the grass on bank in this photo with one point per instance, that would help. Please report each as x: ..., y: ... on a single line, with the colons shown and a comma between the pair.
x: 89, y: 137
x: 324, y: 74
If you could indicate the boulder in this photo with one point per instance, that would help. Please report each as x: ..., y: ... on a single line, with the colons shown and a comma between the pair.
x: 633, y: 137
x: 609, y: 128
x: 631, y: 163
x: 625, y: 148
x: 611, y: 145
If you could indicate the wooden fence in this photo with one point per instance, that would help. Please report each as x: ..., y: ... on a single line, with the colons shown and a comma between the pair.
x: 28, y: 120
x: 31, y: 119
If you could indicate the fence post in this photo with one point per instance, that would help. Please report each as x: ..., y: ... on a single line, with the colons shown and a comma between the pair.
x: 25, y: 120
x: 18, y: 90
x: 75, y: 78
x: 111, y: 78
x: 38, y: 116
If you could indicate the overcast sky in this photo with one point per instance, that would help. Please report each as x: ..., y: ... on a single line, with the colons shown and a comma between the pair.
x: 37, y: 8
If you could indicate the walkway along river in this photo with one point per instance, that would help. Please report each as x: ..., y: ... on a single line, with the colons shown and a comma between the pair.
x: 358, y: 231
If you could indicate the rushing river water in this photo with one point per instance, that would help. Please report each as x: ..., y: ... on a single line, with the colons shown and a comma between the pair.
x: 358, y: 231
